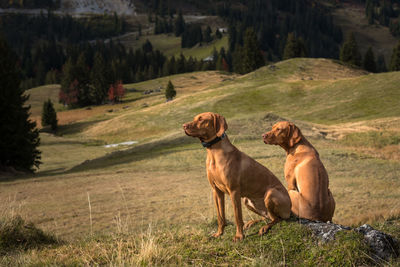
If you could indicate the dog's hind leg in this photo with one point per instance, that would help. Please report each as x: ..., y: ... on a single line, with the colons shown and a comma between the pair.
x: 278, y: 207
x: 256, y: 207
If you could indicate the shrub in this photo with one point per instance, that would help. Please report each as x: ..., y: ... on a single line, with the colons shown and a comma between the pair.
x: 170, y: 92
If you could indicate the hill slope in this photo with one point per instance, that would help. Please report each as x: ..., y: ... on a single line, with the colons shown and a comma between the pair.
x: 147, y: 203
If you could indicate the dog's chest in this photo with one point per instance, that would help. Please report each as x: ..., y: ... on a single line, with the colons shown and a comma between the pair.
x: 216, y: 175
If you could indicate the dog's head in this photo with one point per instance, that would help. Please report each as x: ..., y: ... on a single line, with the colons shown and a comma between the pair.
x: 283, y: 133
x: 206, y: 126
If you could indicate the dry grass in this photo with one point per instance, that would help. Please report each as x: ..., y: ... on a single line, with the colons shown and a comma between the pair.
x: 161, y: 182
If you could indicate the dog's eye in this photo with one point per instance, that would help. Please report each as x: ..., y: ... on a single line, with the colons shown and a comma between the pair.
x: 200, y: 118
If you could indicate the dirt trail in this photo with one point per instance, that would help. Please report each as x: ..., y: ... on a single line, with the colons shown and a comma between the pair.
x: 338, y: 131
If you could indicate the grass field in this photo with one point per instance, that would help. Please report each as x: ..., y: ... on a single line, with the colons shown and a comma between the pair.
x: 150, y: 203
x: 171, y: 45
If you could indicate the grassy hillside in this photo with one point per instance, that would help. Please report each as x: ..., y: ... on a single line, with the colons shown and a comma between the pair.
x: 150, y: 203
x: 171, y: 45
x: 351, y: 18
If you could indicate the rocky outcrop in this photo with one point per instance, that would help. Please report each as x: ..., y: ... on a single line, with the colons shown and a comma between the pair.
x: 383, y: 246
x: 121, y: 7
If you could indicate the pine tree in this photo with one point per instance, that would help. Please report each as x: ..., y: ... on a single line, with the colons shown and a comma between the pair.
x: 237, y: 58
x: 82, y: 75
x: 19, y: 136
x: 395, y: 59
x: 381, y: 64
x: 49, y: 115
x: 179, y: 24
x: 369, y: 60
x: 181, y: 64
x: 349, y: 51
x: 252, y: 56
x: 170, y: 92
x: 369, y: 11
x: 294, y: 47
x: 147, y: 47
x: 99, y: 80
x: 207, y: 34
x: 68, y: 77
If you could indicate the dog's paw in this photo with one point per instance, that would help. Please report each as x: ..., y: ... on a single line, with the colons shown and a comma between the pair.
x: 218, y: 234
x: 249, y: 224
x: 264, y: 230
x: 238, y: 238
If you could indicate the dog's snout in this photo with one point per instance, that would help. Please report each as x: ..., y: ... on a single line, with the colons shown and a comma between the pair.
x: 184, y: 126
x: 264, y: 136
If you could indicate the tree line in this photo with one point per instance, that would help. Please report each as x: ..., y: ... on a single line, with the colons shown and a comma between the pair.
x: 92, y: 69
x: 42, y: 42
x: 48, y: 4
x: 349, y: 53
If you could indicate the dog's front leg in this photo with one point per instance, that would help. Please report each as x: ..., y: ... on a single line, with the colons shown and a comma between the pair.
x: 237, y: 208
x: 219, y: 199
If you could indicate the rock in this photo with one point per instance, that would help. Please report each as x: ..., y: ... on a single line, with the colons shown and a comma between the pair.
x: 383, y: 246
x: 325, y: 231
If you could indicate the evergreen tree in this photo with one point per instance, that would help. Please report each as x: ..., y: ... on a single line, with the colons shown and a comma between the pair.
x: 237, y: 56
x: 147, y: 47
x: 349, y: 51
x: 170, y: 92
x: 19, y: 136
x: 82, y: 75
x: 40, y: 72
x: 179, y: 24
x: 181, y: 64
x: 99, y: 80
x: 369, y: 11
x: 294, y: 47
x: 232, y: 36
x: 66, y: 81
x: 49, y: 115
x: 218, y: 34
x: 381, y: 64
x: 369, y: 60
x: 395, y: 59
x: 207, y: 34
x: 252, y: 56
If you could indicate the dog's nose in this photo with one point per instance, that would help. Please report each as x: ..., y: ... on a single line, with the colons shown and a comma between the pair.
x: 264, y: 136
x: 184, y: 126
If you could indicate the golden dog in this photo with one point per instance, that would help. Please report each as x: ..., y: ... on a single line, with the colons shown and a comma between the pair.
x: 232, y: 172
x: 304, y: 172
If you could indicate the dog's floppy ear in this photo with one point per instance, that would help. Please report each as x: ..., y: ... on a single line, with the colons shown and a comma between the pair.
x: 294, y: 134
x: 220, y: 124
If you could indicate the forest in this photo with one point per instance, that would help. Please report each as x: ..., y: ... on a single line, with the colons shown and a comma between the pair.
x: 80, y: 53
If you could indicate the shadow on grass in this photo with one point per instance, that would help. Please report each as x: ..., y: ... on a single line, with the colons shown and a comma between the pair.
x: 76, y: 127
x: 139, y: 152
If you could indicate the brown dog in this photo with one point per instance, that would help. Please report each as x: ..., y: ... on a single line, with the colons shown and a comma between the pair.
x: 304, y: 172
x: 232, y: 172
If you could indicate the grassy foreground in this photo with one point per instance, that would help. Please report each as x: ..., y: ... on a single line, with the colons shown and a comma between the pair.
x: 287, y: 244
x: 150, y: 203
